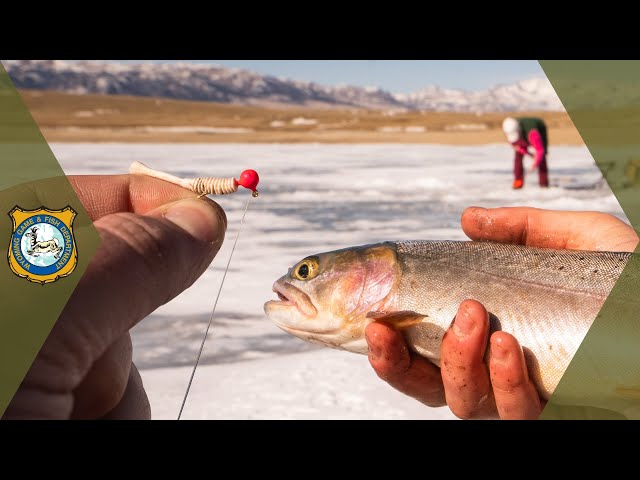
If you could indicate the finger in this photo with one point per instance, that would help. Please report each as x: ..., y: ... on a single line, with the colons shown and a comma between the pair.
x: 103, y: 195
x: 549, y: 229
x: 105, y: 384
x: 515, y: 395
x: 142, y: 263
x: 403, y: 370
x: 464, y: 374
x: 36, y: 403
x: 134, y: 404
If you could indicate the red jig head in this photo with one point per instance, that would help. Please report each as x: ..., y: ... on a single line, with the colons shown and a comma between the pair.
x: 203, y: 185
x: 249, y: 179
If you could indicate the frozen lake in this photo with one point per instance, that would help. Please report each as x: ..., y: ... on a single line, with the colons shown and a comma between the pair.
x: 313, y: 198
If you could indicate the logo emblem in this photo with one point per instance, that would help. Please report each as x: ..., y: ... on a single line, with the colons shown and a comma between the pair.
x: 42, y: 249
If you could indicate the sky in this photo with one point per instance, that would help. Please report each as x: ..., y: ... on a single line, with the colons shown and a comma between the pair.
x: 399, y: 76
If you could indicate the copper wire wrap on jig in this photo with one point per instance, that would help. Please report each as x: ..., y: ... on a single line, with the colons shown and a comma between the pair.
x: 214, y: 186
x: 201, y: 185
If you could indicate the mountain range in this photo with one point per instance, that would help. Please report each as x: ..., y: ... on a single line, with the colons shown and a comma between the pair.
x: 216, y: 83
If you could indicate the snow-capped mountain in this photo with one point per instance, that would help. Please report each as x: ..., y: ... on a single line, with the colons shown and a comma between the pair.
x: 216, y: 83
x: 531, y: 94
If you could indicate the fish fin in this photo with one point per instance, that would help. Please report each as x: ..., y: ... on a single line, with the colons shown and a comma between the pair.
x: 398, y: 320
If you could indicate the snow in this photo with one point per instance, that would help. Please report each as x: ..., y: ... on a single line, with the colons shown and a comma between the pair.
x: 304, y: 121
x: 97, y: 111
x: 313, y: 198
x: 196, y: 129
x: 409, y: 129
x: 272, y: 389
x: 466, y: 127
x: 530, y: 94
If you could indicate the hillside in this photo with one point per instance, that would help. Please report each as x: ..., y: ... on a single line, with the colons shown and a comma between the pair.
x: 115, y: 118
x: 215, y: 83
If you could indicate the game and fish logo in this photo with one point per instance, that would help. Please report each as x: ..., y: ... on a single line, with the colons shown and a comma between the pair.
x: 42, y: 248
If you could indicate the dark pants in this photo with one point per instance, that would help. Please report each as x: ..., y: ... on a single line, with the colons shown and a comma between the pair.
x: 543, y: 173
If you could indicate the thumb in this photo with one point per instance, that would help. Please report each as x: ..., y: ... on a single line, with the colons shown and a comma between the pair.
x: 143, y: 262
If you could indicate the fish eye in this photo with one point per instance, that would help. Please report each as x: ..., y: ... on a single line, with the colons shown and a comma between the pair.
x: 303, y: 271
x: 306, y: 269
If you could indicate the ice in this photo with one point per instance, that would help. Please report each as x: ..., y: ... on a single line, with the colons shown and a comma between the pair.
x: 313, y: 198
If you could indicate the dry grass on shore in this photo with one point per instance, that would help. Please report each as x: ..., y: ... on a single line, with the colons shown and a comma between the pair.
x: 105, y: 118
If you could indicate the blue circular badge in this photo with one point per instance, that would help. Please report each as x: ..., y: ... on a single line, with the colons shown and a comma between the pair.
x: 45, y: 246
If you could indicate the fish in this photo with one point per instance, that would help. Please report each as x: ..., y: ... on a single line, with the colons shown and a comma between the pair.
x: 547, y: 298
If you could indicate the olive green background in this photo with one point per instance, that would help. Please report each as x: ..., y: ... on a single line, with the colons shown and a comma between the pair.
x: 31, y: 178
x: 603, y: 100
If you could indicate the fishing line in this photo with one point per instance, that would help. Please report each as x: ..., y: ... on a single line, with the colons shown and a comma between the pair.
x: 204, y: 186
x: 204, y: 339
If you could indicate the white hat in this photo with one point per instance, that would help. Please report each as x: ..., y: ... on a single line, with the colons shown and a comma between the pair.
x: 511, y: 129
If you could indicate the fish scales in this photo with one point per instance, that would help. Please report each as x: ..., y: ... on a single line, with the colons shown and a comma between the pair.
x: 546, y: 298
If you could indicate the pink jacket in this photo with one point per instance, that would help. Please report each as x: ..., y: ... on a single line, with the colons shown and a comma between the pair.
x: 535, y: 141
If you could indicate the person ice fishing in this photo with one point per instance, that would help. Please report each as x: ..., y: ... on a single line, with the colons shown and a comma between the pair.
x: 522, y: 133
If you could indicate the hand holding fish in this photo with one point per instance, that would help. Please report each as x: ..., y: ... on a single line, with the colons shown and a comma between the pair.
x: 465, y: 383
x: 157, y: 239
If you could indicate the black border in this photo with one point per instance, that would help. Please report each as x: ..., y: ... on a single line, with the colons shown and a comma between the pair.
x: 456, y: 31
x: 297, y: 447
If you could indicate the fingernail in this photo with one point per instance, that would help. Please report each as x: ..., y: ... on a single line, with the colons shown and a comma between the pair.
x: 196, y: 217
x: 463, y: 324
x: 498, y: 351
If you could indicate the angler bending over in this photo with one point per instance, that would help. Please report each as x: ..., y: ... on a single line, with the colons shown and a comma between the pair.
x: 522, y: 133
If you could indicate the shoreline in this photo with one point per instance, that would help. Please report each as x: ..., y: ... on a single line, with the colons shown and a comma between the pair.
x: 567, y: 137
x: 70, y: 118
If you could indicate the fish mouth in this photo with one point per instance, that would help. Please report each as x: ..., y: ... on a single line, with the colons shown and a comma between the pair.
x: 290, y: 296
x: 304, y: 333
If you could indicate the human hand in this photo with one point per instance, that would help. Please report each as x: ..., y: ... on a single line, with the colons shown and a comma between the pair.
x: 594, y: 231
x: 504, y: 390
x: 156, y: 240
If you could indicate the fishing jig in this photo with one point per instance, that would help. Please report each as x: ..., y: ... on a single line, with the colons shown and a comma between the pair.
x: 203, y: 185
x: 206, y: 186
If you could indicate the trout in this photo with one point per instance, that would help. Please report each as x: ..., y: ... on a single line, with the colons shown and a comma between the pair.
x: 546, y: 298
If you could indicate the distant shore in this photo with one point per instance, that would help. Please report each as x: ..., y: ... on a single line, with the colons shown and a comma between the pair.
x: 112, y: 118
